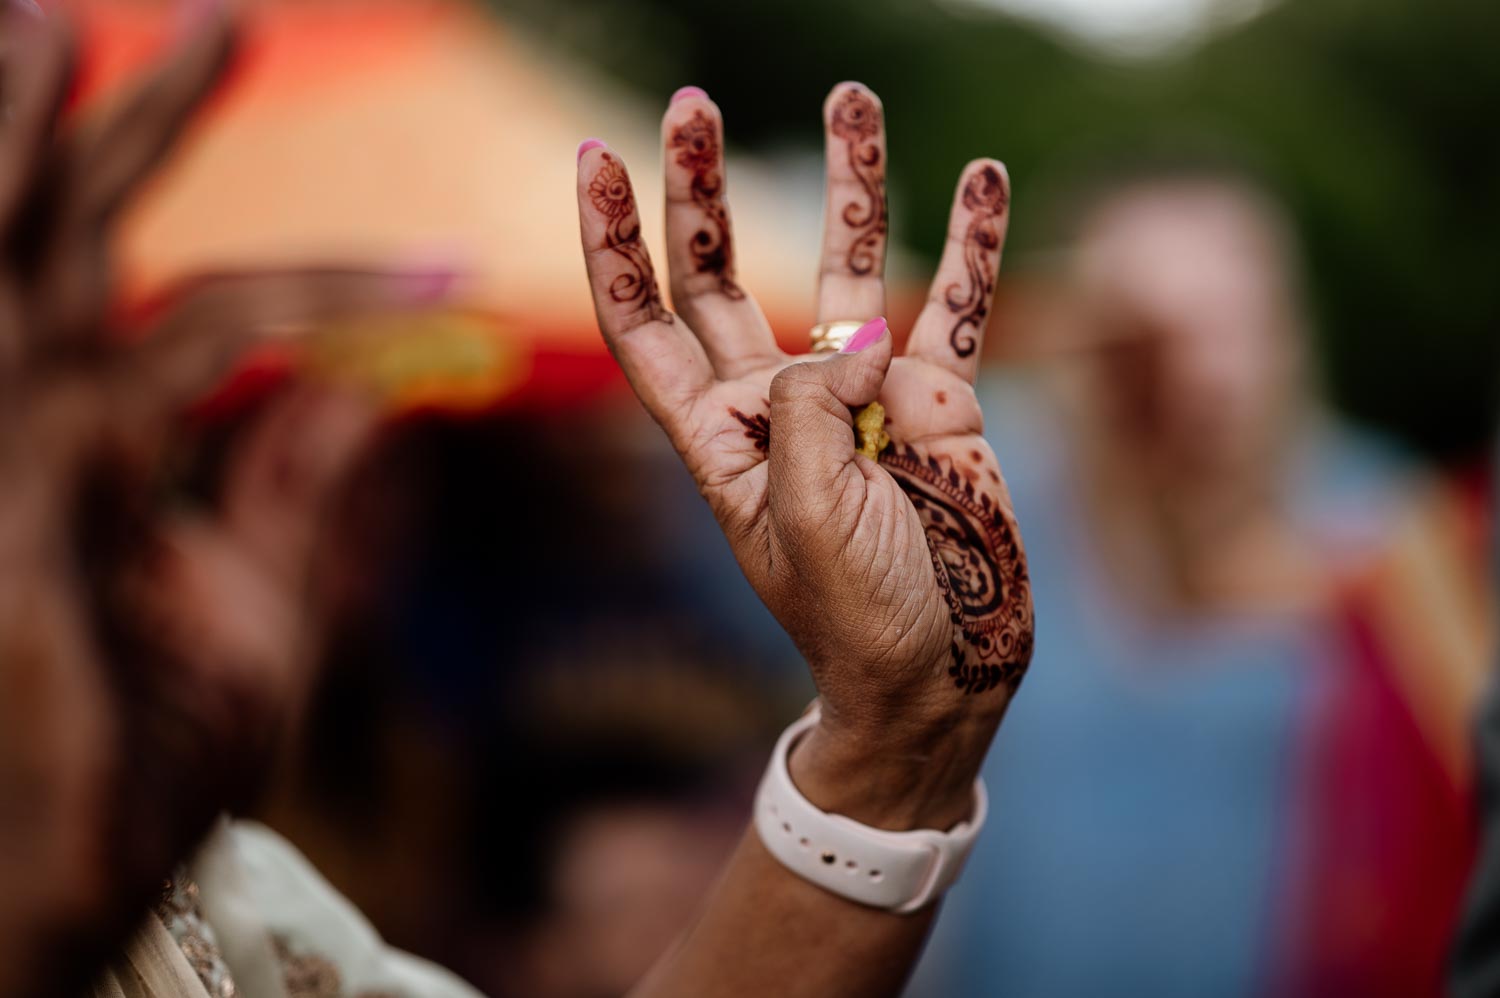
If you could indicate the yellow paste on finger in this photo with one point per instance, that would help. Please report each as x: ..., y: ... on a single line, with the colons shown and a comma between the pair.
x: 869, y: 430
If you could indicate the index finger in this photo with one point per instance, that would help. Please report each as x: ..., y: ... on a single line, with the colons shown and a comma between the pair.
x: 662, y: 359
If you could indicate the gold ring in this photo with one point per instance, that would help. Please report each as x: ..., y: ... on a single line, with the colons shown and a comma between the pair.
x: 830, y: 337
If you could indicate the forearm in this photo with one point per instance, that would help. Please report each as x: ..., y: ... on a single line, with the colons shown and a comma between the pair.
x: 765, y: 930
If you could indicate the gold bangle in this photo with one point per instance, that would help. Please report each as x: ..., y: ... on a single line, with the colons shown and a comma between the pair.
x: 830, y: 337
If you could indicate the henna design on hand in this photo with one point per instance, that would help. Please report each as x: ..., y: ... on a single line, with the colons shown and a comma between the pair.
x: 985, y: 196
x: 697, y: 143
x: 613, y: 198
x: 757, y: 429
x: 856, y: 120
x: 980, y: 567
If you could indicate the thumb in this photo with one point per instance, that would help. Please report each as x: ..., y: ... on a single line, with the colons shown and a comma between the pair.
x: 812, y: 431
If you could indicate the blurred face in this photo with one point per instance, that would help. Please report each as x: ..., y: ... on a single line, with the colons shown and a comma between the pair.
x: 1187, y: 329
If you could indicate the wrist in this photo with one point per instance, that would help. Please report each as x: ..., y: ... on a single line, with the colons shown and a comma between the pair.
x: 920, y: 776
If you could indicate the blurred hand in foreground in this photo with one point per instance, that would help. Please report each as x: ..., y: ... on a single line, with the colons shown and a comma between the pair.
x: 902, y: 580
x: 147, y: 654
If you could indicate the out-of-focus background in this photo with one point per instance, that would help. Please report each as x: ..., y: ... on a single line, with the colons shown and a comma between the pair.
x: 1242, y: 378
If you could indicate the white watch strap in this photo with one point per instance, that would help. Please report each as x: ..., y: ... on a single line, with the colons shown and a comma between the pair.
x: 899, y: 871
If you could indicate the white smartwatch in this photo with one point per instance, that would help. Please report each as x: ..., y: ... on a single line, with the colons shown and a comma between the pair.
x: 901, y: 872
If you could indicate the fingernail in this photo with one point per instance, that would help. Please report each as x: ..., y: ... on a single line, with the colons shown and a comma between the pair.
x: 588, y: 144
x: 29, y: 7
x: 687, y: 92
x: 865, y: 336
x: 423, y: 287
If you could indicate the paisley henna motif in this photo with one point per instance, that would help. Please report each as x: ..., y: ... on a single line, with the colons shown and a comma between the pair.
x: 613, y: 198
x: 980, y: 567
x: 856, y: 120
x: 696, y: 142
x: 986, y: 198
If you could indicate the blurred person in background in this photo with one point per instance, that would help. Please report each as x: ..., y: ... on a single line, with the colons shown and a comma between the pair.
x: 652, y: 732
x: 155, y: 653
x: 1232, y: 779
x: 649, y: 777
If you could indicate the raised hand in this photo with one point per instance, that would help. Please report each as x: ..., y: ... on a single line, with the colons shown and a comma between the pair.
x: 903, y: 582
x: 147, y: 653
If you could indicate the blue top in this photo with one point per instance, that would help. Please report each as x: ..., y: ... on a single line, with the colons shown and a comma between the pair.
x: 1140, y: 783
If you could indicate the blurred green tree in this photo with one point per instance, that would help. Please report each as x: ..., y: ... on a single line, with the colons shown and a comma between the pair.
x: 1373, y: 120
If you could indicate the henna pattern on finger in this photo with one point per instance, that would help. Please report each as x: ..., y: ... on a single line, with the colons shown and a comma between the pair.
x: 698, y: 150
x: 613, y: 198
x: 979, y: 565
x: 856, y: 120
x: 986, y: 199
x: 757, y: 429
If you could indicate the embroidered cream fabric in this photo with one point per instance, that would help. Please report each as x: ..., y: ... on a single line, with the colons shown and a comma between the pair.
x: 307, y: 918
x: 312, y: 976
x: 152, y: 967
x: 253, y: 919
x: 179, y: 911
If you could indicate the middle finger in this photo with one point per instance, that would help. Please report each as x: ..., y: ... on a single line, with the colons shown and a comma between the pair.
x: 700, y: 241
x: 851, y: 284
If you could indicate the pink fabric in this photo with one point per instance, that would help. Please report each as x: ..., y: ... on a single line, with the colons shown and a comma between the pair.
x: 1388, y: 840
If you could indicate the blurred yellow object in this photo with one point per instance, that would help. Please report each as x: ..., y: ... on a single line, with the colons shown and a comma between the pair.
x: 448, y: 360
x: 869, y: 428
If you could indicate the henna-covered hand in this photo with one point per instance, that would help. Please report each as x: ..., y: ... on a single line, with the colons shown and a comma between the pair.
x: 987, y: 198
x: 696, y: 145
x: 856, y: 122
x: 147, y: 653
x: 635, y: 283
x: 904, y: 581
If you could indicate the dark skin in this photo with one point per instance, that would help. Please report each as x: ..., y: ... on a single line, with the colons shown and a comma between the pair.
x: 902, y: 582
x: 149, y: 653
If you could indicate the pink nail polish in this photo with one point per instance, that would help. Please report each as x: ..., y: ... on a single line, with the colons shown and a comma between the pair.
x: 865, y: 336
x: 588, y: 144
x: 687, y: 92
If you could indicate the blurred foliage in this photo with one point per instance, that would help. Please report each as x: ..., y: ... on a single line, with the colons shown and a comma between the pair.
x: 1373, y: 119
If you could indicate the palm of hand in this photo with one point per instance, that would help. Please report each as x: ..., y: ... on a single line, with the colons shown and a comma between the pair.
x: 919, y: 560
x: 963, y: 605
